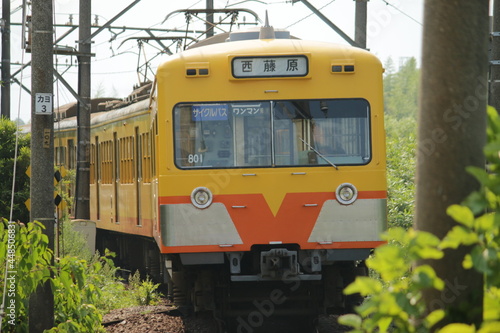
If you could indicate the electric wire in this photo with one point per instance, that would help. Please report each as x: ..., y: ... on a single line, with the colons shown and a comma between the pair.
x: 399, y: 10
x: 311, y: 14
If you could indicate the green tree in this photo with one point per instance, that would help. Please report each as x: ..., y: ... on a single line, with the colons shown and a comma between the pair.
x: 400, y: 93
x: 401, y: 89
x: 8, y: 131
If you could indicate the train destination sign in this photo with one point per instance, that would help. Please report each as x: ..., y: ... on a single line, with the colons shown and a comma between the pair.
x: 278, y: 66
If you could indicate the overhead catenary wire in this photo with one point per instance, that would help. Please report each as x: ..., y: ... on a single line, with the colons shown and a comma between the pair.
x: 399, y: 10
x: 307, y: 16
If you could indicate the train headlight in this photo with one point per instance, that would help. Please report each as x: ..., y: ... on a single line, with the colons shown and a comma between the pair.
x: 201, y: 197
x: 346, y: 193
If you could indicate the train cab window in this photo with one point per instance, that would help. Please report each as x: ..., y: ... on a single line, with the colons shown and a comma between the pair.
x: 319, y: 132
x: 223, y: 135
x: 272, y: 133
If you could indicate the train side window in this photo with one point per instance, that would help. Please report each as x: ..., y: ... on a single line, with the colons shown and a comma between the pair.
x: 71, y: 154
x: 153, y: 153
x: 106, y: 152
x: 126, y: 158
x: 146, y: 157
x: 60, y: 155
x: 92, y: 164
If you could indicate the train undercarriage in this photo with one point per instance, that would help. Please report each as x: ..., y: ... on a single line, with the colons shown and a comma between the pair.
x: 246, y: 290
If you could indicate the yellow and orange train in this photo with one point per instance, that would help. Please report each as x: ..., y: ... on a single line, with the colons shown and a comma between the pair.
x: 254, y: 168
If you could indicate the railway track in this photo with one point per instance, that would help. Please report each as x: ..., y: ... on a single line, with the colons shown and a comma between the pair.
x: 149, y: 319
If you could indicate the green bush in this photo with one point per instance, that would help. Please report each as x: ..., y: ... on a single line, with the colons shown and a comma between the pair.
x: 8, y: 132
x: 401, y: 161
x: 393, y: 301
x: 24, y: 250
x: 144, y: 291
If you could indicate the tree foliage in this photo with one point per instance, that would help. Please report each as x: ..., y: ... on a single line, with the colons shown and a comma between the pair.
x: 8, y: 130
x: 400, y: 93
x: 394, y: 303
x: 401, y: 89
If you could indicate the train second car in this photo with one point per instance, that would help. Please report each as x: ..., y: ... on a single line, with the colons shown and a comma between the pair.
x: 253, y: 178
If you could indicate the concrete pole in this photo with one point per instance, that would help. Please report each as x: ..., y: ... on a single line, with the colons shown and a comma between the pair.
x: 451, y: 136
x: 494, y: 97
x: 360, y: 22
x: 82, y: 199
x: 210, y: 18
x: 41, y: 303
x: 5, y: 103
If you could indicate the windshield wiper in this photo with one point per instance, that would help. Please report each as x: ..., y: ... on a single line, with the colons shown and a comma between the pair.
x: 319, y: 154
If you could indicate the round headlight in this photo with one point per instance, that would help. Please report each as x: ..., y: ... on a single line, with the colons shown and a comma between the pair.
x: 201, y: 197
x: 346, y: 193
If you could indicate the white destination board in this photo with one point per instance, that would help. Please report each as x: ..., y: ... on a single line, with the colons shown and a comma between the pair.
x: 278, y: 66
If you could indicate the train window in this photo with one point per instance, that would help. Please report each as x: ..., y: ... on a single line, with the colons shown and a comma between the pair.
x: 71, y: 154
x: 146, y: 158
x: 106, y: 159
x: 92, y: 164
x: 60, y: 155
x: 320, y: 132
x: 223, y: 135
x: 126, y: 147
x: 272, y: 133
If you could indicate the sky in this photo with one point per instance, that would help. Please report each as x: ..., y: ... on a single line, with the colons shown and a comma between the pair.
x: 394, y: 30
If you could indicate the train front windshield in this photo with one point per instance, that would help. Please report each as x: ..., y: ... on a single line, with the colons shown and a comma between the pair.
x: 272, y: 133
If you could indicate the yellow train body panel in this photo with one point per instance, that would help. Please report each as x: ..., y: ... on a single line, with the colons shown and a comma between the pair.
x: 272, y: 183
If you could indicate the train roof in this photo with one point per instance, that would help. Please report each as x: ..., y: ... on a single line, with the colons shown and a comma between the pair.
x: 254, y: 41
x: 103, y: 117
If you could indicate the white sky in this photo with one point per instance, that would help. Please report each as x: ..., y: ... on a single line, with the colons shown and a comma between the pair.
x: 394, y: 30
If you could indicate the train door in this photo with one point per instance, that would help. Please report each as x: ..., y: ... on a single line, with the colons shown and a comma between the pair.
x: 97, y: 178
x: 138, y: 178
x: 116, y: 162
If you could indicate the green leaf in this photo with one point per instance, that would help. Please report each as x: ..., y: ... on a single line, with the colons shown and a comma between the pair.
x: 384, y: 323
x: 351, y: 320
x: 389, y: 261
x: 480, y: 260
x: 485, y: 222
x: 434, y: 317
x: 363, y: 285
x: 481, y: 175
x: 477, y: 202
x: 461, y: 214
x: 467, y: 263
x: 458, y: 328
x: 65, y: 279
x: 425, y: 277
x: 429, y: 253
x: 424, y: 238
x: 493, y: 327
x: 457, y: 236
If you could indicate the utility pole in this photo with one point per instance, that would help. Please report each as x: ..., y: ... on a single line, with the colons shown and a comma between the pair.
x: 452, y: 134
x: 210, y: 18
x: 41, y: 303
x: 82, y: 210
x: 494, y: 96
x: 5, y: 103
x: 360, y: 22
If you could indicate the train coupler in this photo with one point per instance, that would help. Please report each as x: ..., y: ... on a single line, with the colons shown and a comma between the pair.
x: 279, y: 263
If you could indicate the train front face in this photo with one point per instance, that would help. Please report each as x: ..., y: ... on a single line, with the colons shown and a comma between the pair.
x: 271, y: 158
